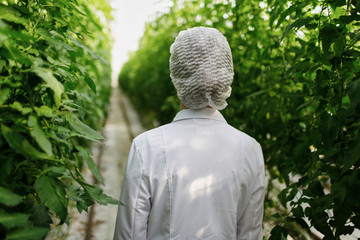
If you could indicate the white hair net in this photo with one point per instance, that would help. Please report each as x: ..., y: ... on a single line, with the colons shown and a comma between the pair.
x: 201, y: 68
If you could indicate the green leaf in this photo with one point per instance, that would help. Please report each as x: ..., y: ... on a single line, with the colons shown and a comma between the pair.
x: 8, y: 198
x: 315, y: 189
x: 74, y: 134
x: 356, y: 220
x: 66, y: 73
x: 349, y: 19
x: 291, y: 195
x: 54, y: 38
x: 2, y: 64
x: 4, y: 94
x: 353, y: 91
x: 90, y: 15
x: 82, y: 198
x: 51, y: 192
x: 7, y: 167
x: 99, y: 196
x: 338, y: 3
x: 328, y: 34
x: 20, y: 144
x: 86, y: 154
x: 302, y: 66
x: 71, y: 5
x: 298, y: 212
x: 302, y: 223
x: 82, y: 128
x: 45, y: 111
x: 39, y: 136
x: 30, y: 233
x: 51, y: 82
x: 56, y: 171
x: 96, y: 193
x: 24, y: 110
x: 278, y: 233
x: 87, y: 49
x: 297, y: 24
x: 353, y: 155
x: 3, y: 36
x: 339, y: 45
x: 11, y: 51
x: 290, y: 10
x: 329, y: 128
x: 10, y: 220
x: 40, y: 215
x: 9, y: 14
x: 6, y: 31
x: 90, y: 83
x: 282, y: 196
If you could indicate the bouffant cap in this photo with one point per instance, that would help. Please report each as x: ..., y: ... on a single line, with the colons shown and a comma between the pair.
x: 201, y: 68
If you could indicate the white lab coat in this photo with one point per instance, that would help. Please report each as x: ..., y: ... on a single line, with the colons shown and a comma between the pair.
x: 195, y: 178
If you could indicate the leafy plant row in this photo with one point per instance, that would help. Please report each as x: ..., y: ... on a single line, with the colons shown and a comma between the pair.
x: 296, y: 90
x: 54, y: 88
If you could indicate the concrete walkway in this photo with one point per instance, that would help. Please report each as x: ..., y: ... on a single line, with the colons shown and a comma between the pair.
x: 121, y: 127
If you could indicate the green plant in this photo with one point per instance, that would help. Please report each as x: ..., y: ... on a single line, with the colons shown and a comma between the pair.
x: 325, y: 151
x: 54, y: 87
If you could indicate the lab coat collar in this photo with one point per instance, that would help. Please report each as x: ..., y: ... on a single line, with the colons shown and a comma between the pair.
x: 205, y: 113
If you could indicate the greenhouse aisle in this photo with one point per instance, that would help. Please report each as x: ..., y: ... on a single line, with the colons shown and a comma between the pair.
x: 99, y: 222
x: 121, y: 126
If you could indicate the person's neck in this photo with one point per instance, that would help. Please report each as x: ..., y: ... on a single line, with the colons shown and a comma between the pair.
x: 182, y: 106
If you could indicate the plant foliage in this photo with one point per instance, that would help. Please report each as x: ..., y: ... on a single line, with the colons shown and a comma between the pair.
x: 54, y: 87
x: 296, y: 90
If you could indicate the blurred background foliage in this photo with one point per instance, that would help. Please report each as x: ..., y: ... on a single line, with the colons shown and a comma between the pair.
x: 296, y: 90
x: 54, y: 89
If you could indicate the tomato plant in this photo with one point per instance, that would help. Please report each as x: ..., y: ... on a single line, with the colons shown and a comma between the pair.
x: 54, y: 88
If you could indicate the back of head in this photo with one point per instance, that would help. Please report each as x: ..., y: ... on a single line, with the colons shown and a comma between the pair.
x: 201, y: 68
